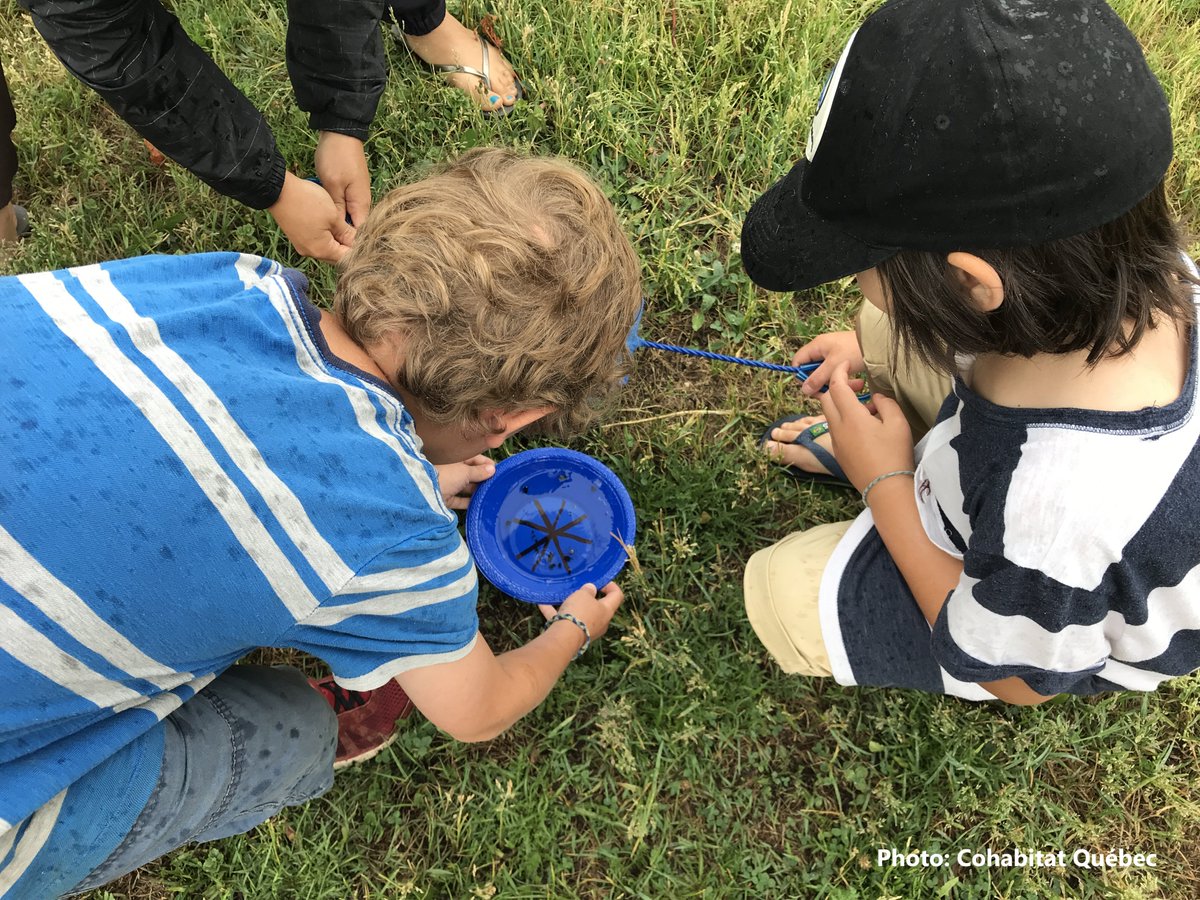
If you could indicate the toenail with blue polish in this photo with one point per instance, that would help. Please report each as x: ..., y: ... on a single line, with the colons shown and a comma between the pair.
x: 494, y: 98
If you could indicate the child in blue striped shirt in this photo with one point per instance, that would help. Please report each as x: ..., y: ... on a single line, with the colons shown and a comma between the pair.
x: 199, y: 462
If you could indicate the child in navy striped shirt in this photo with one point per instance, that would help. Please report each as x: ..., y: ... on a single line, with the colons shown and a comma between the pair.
x: 992, y: 173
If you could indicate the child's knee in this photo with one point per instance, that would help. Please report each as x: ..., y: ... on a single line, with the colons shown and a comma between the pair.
x: 287, y: 731
x: 919, y: 389
x: 782, y: 586
x: 874, y: 330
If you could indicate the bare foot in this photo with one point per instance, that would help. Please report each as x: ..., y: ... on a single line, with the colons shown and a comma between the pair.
x: 781, y: 449
x: 8, y: 223
x: 452, y: 43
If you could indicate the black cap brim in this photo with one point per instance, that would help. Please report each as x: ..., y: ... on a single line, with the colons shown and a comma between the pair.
x: 787, y: 247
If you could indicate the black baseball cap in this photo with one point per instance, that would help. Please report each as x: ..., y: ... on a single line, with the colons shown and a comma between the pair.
x: 964, y: 124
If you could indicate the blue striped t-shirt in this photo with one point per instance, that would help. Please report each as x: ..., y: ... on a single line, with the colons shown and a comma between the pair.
x: 188, y: 474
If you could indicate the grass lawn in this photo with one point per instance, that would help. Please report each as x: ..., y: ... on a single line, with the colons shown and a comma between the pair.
x: 674, y: 760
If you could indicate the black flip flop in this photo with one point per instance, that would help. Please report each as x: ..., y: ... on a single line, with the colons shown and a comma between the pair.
x: 808, y: 440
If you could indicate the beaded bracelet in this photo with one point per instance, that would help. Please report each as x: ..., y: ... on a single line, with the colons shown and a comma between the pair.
x: 885, y: 475
x: 567, y: 617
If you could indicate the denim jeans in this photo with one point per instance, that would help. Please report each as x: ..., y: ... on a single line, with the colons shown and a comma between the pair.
x: 254, y: 741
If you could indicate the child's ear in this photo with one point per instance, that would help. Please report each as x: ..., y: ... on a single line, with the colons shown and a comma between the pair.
x: 978, y: 280
x: 503, y: 424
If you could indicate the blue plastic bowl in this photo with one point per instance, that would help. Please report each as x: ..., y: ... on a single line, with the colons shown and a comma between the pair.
x: 548, y: 522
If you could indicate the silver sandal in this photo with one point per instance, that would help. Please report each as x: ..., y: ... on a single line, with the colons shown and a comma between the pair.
x: 483, y: 73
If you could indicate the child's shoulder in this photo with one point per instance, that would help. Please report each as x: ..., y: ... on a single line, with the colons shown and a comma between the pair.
x: 1071, y: 495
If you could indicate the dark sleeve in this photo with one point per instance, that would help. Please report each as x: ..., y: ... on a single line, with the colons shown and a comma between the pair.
x: 336, y: 62
x: 136, y: 56
x: 8, y: 153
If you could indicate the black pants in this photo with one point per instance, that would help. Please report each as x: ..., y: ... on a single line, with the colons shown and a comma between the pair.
x: 8, y: 153
x: 417, y: 17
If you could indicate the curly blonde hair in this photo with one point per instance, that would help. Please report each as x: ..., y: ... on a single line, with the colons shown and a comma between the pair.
x: 510, y: 282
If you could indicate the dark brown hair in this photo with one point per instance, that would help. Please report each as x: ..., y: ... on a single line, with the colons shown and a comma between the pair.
x: 510, y: 282
x: 1098, y: 291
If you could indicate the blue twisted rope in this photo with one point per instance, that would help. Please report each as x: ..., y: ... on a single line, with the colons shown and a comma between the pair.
x: 801, y: 372
x: 635, y: 342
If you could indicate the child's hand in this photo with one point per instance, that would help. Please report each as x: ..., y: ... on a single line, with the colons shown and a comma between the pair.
x: 834, y: 348
x: 457, y: 480
x: 865, y: 445
x: 593, y: 609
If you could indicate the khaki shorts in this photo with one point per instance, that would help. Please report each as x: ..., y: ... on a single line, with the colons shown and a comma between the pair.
x: 782, y: 584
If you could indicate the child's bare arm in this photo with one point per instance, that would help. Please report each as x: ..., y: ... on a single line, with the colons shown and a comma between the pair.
x: 867, y: 446
x: 931, y: 574
x: 481, y: 695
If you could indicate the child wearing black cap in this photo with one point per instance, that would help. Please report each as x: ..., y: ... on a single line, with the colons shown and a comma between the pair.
x: 993, y: 171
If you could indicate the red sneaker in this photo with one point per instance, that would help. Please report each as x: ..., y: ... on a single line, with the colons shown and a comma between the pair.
x: 367, y: 720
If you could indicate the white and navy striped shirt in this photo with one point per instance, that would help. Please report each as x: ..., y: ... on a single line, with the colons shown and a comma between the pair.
x: 1081, y: 565
x: 187, y: 474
